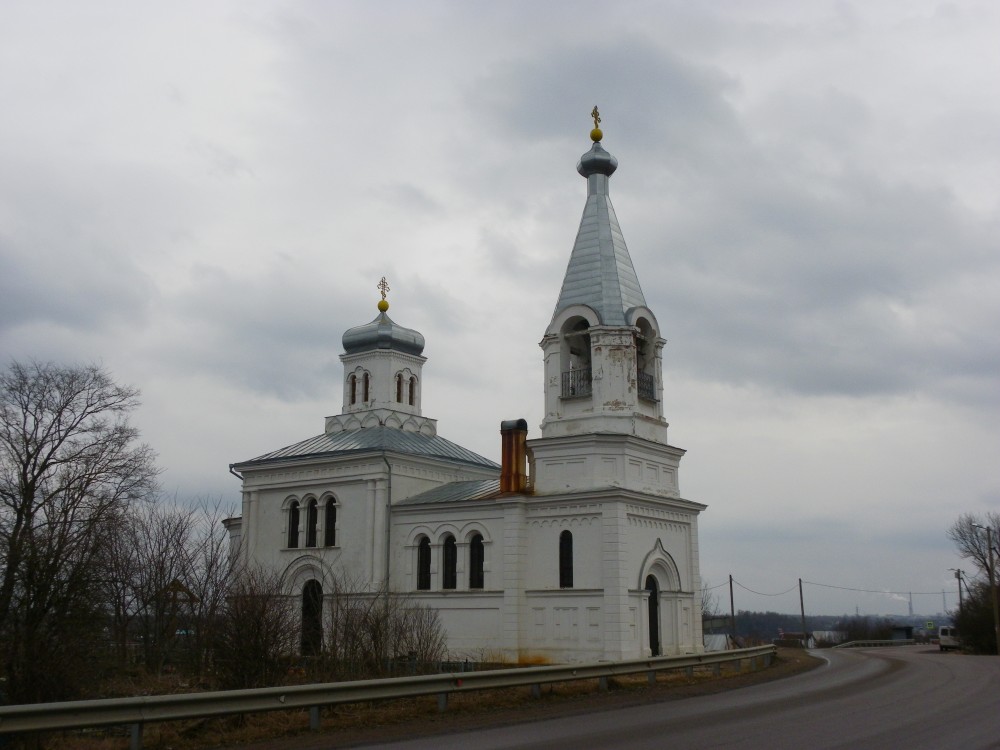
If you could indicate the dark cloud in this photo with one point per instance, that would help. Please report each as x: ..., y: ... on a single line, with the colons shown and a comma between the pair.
x: 276, y: 334
x: 547, y: 96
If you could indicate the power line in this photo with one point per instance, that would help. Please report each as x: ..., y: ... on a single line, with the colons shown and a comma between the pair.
x: 760, y: 593
x: 874, y: 591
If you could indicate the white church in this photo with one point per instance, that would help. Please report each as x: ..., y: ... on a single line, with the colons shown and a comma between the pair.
x: 578, y: 547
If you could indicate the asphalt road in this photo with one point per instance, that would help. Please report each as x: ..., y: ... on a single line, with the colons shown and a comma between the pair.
x: 908, y: 698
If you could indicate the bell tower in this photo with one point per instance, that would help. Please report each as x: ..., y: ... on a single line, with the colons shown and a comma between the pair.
x: 603, y: 348
x: 603, y: 357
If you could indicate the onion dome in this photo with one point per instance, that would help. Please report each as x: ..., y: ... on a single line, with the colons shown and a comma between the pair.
x: 597, y: 161
x: 383, y: 333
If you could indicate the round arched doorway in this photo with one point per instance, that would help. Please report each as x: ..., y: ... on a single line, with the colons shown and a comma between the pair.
x: 312, y: 618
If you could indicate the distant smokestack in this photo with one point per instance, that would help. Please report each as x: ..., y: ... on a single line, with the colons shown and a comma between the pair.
x: 513, y: 460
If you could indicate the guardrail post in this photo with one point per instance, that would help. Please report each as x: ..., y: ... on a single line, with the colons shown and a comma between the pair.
x: 717, y: 668
x: 536, y: 691
x: 689, y: 671
x: 602, y: 684
x: 314, y: 718
x: 135, y: 737
x: 651, y: 677
x: 442, y: 702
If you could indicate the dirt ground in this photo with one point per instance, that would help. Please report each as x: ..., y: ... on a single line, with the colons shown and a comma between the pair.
x: 349, y: 726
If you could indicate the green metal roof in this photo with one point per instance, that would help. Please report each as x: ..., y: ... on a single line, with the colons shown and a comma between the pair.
x: 453, y: 492
x: 372, y: 440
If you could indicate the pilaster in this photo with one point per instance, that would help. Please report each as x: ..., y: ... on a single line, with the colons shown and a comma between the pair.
x: 618, y: 635
x: 515, y: 542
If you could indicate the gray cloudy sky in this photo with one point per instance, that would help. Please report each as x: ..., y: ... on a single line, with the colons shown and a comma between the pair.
x: 203, y: 196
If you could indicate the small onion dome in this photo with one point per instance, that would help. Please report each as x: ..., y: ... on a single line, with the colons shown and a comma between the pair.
x: 382, y: 333
x: 597, y: 161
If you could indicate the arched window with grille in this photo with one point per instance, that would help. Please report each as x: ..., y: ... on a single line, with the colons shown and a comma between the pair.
x: 330, y: 523
x: 566, y: 560
x: 399, y: 388
x: 477, y: 557
x: 366, y: 384
x: 312, y: 521
x: 449, y: 578
x: 413, y: 389
x: 424, y: 564
x: 354, y: 389
x: 293, y: 525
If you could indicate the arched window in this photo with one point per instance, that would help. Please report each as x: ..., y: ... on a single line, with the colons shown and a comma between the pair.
x: 413, y: 389
x: 566, y: 560
x: 367, y: 381
x: 293, y: 525
x: 354, y: 389
x: 399, y: 388
x: 477, y: 555
x: 424, y: 564
x: 330, y: 524
x: 312, y: 618
x: 312, y: 521
x: 450, y: 577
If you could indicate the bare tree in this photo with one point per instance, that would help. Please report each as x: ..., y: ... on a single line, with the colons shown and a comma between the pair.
x: 709, y: 602
x: 70, y: 465
x: 257, y: 631
x: 120, y: 586
x: 161, y: 535
x: 971, y: 541
x: 211, y: 568
x: 368, y: 629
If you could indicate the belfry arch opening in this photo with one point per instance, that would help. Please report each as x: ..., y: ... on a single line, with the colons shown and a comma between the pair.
x: 645, y: 359
x: 576, y: 363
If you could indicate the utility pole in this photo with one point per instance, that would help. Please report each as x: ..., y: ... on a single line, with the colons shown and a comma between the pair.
x: 732, y: 609
x: 958, y: 575
x: 802, y: 609
x: 993, y: 584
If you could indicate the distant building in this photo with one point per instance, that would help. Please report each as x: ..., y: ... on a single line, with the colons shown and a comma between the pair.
x: 578, y: 547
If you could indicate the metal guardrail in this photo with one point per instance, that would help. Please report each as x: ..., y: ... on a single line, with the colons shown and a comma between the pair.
x: 875, y: 644
x: 141, y: 710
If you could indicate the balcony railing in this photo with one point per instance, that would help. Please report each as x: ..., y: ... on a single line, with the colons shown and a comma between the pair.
x: 576, y: 383
x: 647, y: 386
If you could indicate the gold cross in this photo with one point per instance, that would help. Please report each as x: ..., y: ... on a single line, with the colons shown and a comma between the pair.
x: 383, y: 286
x: 597, y: 117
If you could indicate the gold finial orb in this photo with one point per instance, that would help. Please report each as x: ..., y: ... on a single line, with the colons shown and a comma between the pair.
x: 383, y: 286
x: 596, y: 134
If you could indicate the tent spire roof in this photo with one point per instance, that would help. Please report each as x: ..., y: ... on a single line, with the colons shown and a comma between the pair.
x: 600, y: 272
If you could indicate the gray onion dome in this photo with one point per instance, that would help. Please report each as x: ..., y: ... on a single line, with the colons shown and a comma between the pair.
x: 383, y: 333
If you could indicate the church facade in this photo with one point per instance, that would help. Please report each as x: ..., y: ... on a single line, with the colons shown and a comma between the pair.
x: 577, y: 547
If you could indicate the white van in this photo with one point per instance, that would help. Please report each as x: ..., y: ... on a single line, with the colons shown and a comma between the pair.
x: 948, y: 637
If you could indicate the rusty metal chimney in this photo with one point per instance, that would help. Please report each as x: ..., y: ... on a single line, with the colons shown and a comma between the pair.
x: 513, y: 459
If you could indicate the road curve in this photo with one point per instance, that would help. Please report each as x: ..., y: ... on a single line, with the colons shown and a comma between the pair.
x: 905, y: 697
